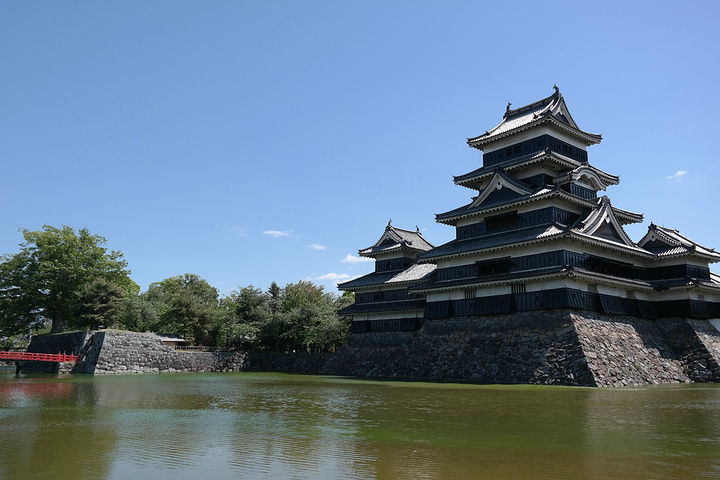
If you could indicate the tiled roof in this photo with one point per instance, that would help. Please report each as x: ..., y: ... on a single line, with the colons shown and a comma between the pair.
x: 685, y: 282
x: 553, y: 271
x: 433, y: 283
x: 395, y: 239
x: 414, y: 273
x: 599, y: 179
x: 625, y: 217
x: 667, y: 242
x: 610, y: 243
x: 544, y: 192
x: 459, y: 247
x: 548, y: 110
x: 602, y: 218
x: 524, y: 160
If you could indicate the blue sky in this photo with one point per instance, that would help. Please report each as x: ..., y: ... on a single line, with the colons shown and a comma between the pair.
x: 251, y: 142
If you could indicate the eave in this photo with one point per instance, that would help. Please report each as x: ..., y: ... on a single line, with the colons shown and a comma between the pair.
x: 481, y: 141
x: 374, y: 281
x: 556, y: 232
x: 401, y: 248
x: 687, y: 285
x: 397, y: 240
x: 537, y: 196
x: 545, y: 274
x: 676, y: 243
x: 610, y: 244
x: 475, y: 178
x: 600, y: 180
x: 626, y: 217
x: 710, y: 258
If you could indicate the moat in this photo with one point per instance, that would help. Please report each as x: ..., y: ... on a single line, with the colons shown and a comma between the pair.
x: 269, y: 425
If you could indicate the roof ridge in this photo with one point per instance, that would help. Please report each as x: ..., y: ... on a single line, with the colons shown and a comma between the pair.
x: 556, y: 95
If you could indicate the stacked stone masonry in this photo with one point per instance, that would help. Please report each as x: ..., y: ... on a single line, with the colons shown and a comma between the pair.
x: 111, y: 352
x: 557, y: 347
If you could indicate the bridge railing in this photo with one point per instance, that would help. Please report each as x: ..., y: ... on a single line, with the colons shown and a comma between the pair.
x: 39, y: 357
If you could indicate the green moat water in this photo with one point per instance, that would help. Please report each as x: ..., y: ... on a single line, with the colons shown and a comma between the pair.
x: 264, y: 425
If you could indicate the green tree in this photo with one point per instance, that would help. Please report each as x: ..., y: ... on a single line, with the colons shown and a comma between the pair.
x: 102, y: 303
x: 246, y: 311
x: 140, y: 314
x: 306, y: 320
x: 274, y: 293
x: 185, y: 304
x: 45, y: 279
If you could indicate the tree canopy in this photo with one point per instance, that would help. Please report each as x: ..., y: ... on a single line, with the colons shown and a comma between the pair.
x: 69, y: 279
x: 300, y: 317
x: 184, y: 304
x: 46, y: 279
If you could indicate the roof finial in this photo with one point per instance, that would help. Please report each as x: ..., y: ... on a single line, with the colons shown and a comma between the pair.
x: 557, y: 89
x: 507, y: 109
x: 417, y: 229
x: 389, y: 224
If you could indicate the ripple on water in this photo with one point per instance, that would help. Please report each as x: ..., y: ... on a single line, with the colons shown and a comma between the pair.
x: 283, y: 426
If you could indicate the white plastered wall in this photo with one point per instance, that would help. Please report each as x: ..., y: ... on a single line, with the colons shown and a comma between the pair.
x: 532, y: 133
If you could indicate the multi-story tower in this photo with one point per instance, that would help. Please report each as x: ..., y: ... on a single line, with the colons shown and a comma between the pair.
x: 536, y: 236
x: 382, y: 299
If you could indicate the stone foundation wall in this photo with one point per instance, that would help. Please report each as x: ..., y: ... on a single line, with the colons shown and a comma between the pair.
x: 287, y: 362
x: 697, y: 344
x: 707, y: 357
x: 623, y: 351
x: 557, y: 347
x: 111, y: 352
x: 538, y: 347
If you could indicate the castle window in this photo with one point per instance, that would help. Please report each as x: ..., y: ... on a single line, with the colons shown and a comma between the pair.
x: 470, y: 293
x: 518, y: 288
x: 494, y: 267
x: 501, y: 222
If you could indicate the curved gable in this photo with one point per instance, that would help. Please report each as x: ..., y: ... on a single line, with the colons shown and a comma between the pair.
x: 602, y: 222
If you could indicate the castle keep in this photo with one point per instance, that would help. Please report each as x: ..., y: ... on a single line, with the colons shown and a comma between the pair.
x: 541, y: 263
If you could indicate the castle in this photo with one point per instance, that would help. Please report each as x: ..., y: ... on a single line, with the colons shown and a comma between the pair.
x: 540, y: 244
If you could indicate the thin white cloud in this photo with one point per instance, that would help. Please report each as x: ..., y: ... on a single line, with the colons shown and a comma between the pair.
x: 334, y: 276
x: 240, y: 231
x: 278, y: 233
x: 317, y: 246
x: 679, y: 175
x: 353, y: 259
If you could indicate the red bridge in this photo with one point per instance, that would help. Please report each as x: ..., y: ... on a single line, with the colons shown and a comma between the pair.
x: 39, y: 357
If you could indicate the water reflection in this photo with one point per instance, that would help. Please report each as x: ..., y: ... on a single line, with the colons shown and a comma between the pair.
x: 252, y: 425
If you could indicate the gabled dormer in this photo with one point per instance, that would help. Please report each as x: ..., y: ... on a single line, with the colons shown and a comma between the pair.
x: 585, y: 181
x: 396, y: 249
x: 500, y: 189
x: 668, y: 242
x: 603, y: 222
